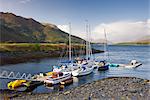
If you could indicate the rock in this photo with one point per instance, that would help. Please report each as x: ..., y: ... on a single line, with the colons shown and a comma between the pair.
x: 132, y: 91
x: 67, y: 92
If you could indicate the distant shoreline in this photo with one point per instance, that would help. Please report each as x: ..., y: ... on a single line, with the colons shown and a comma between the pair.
x: 125, y: 44
x: 132, y: 43
x: 13, y: 53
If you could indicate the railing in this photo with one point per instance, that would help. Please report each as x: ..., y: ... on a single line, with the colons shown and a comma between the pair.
x: 15, y: 75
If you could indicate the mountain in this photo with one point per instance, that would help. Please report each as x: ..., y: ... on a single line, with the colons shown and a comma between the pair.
x: 143, y: 40
x: 101, y: 41
x: 27, y: 30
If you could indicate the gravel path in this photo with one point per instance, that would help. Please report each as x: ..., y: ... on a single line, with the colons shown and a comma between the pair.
x: 124, y: 88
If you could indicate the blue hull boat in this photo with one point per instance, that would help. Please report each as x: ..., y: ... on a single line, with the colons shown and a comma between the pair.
x: 103, y: 68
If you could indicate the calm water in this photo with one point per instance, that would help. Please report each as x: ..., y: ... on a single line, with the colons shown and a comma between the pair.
x: 117, y: 54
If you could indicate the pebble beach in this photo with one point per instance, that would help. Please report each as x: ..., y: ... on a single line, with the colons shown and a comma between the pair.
x: 114, y: 88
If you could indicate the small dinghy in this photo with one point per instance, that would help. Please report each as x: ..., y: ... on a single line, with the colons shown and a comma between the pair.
x: 132, y: 64
x: 57, y: 78
x: 102, y: 66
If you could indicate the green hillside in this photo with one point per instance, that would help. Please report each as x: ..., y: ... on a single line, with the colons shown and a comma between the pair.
x: 16, y: 29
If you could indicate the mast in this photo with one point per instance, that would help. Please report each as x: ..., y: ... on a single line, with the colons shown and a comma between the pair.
x: 70, y: 58
x: 105, y: 45
x: 90, y: 49
x: 87, y: 52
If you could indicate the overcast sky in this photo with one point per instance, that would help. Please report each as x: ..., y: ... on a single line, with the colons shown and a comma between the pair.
x: 124, y: 20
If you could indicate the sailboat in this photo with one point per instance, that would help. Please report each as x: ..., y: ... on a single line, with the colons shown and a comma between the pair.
x: 67, y: 66
x: 82, y: 71
x: 85, y: 65
x: 102, y: 65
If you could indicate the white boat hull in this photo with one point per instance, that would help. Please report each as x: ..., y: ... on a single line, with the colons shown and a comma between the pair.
x: 58, y: 79
x: 82, y: 72
x: 129, y: 65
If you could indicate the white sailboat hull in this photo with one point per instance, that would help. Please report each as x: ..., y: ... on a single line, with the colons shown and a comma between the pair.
x: 58, y: 79
x: 82, y: 72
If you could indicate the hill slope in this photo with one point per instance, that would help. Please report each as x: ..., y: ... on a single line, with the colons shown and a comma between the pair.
x: 18, y: 29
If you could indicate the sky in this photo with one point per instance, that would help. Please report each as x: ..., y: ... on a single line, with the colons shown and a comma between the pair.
x: 123, y: 20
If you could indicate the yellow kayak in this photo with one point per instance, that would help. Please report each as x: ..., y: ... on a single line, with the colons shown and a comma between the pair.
x: 15, y: 83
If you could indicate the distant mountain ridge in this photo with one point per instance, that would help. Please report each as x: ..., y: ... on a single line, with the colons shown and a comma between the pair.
x: 27, y: 30
x: 101, y: 41
x: 143, y: 40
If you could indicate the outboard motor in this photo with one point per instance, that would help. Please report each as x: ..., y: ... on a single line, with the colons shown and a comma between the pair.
x: 133, y: 62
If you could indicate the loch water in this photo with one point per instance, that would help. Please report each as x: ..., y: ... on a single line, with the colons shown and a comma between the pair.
x: 115, y: 54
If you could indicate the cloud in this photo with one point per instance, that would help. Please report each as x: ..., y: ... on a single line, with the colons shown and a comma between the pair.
x: 24, y: 1
x: 148, y: 25
x: 64, y: 28
x: 75, y: 32
x: 121, y: 31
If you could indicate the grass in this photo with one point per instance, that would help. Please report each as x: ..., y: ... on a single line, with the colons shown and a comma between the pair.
x: 28, y: 47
